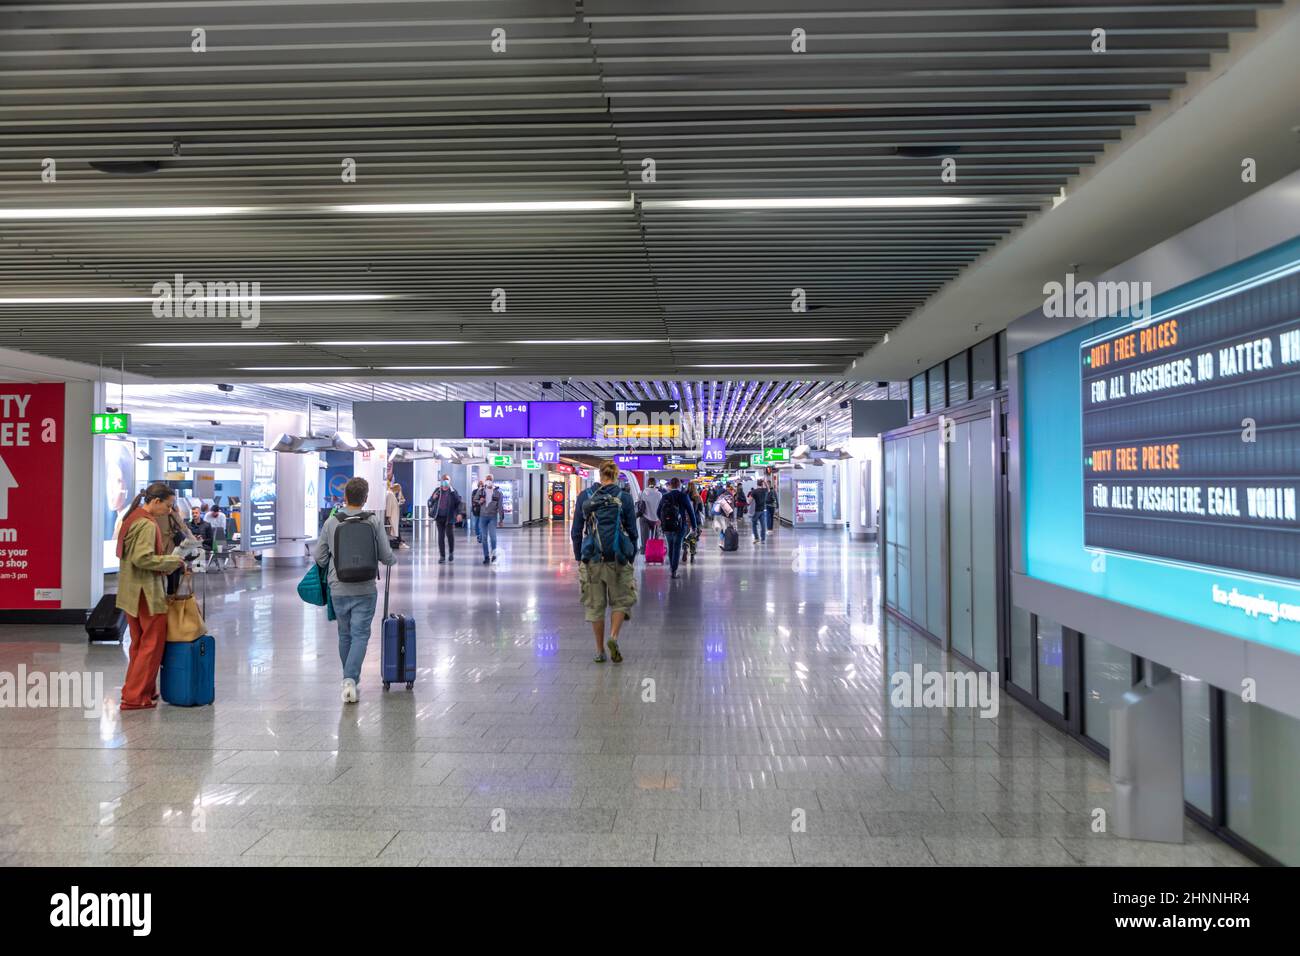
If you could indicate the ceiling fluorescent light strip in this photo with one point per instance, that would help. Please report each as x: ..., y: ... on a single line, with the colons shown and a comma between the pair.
x: 128, y: 299
x: 208, y: 345
x: 199, y: 212
x: 816, y: 202
x: 588, y: 341
x: 758, y: 365
x: 400, y: 208
x: 128, y: 212
x: 492, y: 207
x: 391, y: 342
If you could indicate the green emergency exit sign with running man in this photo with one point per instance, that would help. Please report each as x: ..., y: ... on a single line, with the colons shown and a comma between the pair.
x: 110, y: 423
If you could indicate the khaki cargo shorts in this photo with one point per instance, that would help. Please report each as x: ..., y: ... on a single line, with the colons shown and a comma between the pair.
x: 606, y: 584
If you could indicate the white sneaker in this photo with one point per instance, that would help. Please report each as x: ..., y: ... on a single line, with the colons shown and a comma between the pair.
x: 349, y: 691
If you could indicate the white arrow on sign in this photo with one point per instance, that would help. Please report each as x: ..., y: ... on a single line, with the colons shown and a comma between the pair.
x: 582, y: 411
x: 7, y: 482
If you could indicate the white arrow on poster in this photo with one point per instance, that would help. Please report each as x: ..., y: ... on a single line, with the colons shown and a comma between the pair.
x: 7, y: 482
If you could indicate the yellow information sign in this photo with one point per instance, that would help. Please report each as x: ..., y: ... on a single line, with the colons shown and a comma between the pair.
x: 641, y: 431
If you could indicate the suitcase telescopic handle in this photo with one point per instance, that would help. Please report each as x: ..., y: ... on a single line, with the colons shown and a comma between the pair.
x: 388, y: 576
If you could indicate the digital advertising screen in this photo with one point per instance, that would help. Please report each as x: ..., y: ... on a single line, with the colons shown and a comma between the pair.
x: 1161, y: 459
x: 496, y: 420
x: 560, y: 419
x: 119, y: 488
x: 807, y: 501
x: 260, y: 527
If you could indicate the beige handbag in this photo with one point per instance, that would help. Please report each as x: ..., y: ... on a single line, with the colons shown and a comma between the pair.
x: 184, y: 621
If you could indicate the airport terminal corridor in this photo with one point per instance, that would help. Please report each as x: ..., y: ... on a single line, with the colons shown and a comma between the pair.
x: 771, y: 675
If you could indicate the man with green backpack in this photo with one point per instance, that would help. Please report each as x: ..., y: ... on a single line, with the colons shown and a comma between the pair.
x: 604, y: 542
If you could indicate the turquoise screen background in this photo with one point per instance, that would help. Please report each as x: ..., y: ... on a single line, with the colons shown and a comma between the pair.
x: 1052, y: 479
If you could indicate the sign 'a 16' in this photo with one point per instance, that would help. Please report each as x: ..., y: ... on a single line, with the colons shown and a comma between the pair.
x: 31, y: 495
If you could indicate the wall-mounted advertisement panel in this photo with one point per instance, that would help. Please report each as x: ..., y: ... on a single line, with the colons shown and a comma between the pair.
x: 507, y: 500
x: 807, y: 502
x: 1170, y: 473
x: 118, y: 455
x: 1173, y: 485
x: 31, y: 495
x: 260, y: 528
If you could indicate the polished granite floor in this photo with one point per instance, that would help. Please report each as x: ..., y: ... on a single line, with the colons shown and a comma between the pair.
x: 770, y: 709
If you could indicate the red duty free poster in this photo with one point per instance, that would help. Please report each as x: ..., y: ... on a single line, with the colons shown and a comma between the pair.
x: 31, y: 495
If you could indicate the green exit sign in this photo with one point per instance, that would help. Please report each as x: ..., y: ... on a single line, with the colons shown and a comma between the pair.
x: 502, y: 461
x: 110, y: 423
x: 532, y: 464
x: 776, y: 454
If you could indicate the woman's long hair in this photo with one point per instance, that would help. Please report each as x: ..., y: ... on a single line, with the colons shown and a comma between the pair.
x: 157, y: 491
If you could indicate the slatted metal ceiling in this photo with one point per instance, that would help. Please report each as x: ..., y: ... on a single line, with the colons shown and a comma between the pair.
x: 709, y: 89
x: 743, y: 413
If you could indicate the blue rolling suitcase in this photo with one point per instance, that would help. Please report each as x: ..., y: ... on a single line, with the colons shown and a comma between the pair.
x: 189, y: 674
x: 397, y: 651
x: 189, y: 669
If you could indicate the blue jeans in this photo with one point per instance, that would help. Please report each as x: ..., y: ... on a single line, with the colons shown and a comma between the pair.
x: 487, y: 529
x: 674, y: 541
x: 770, y: 512
x: 356, y: 613
x: 475, y: 525
x: 758, y: 523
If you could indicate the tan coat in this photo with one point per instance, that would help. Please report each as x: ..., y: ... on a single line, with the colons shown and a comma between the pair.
x: 142, y: 570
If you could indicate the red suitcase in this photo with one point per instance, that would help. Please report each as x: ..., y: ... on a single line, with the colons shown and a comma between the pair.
x: 656, y: 551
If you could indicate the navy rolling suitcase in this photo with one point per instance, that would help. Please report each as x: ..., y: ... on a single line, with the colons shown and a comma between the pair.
x: 397, y: 651
x: 189, y: 673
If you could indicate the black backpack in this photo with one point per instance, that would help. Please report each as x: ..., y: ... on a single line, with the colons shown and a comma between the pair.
x: 603, y: 538
x: 670, y: 515
x: 356, y: 553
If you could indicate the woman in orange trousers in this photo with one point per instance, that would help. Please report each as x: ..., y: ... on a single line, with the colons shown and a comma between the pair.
x: 144, y: 563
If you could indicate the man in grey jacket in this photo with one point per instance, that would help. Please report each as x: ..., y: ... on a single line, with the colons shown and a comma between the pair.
x: 490, y: 514
x: 354, y: 601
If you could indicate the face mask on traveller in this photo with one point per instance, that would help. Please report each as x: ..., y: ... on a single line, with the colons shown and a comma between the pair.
x: 446, y: 483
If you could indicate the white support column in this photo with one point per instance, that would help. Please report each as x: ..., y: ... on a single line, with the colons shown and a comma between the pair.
x: 83, y: 503
x: 290, y: 491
